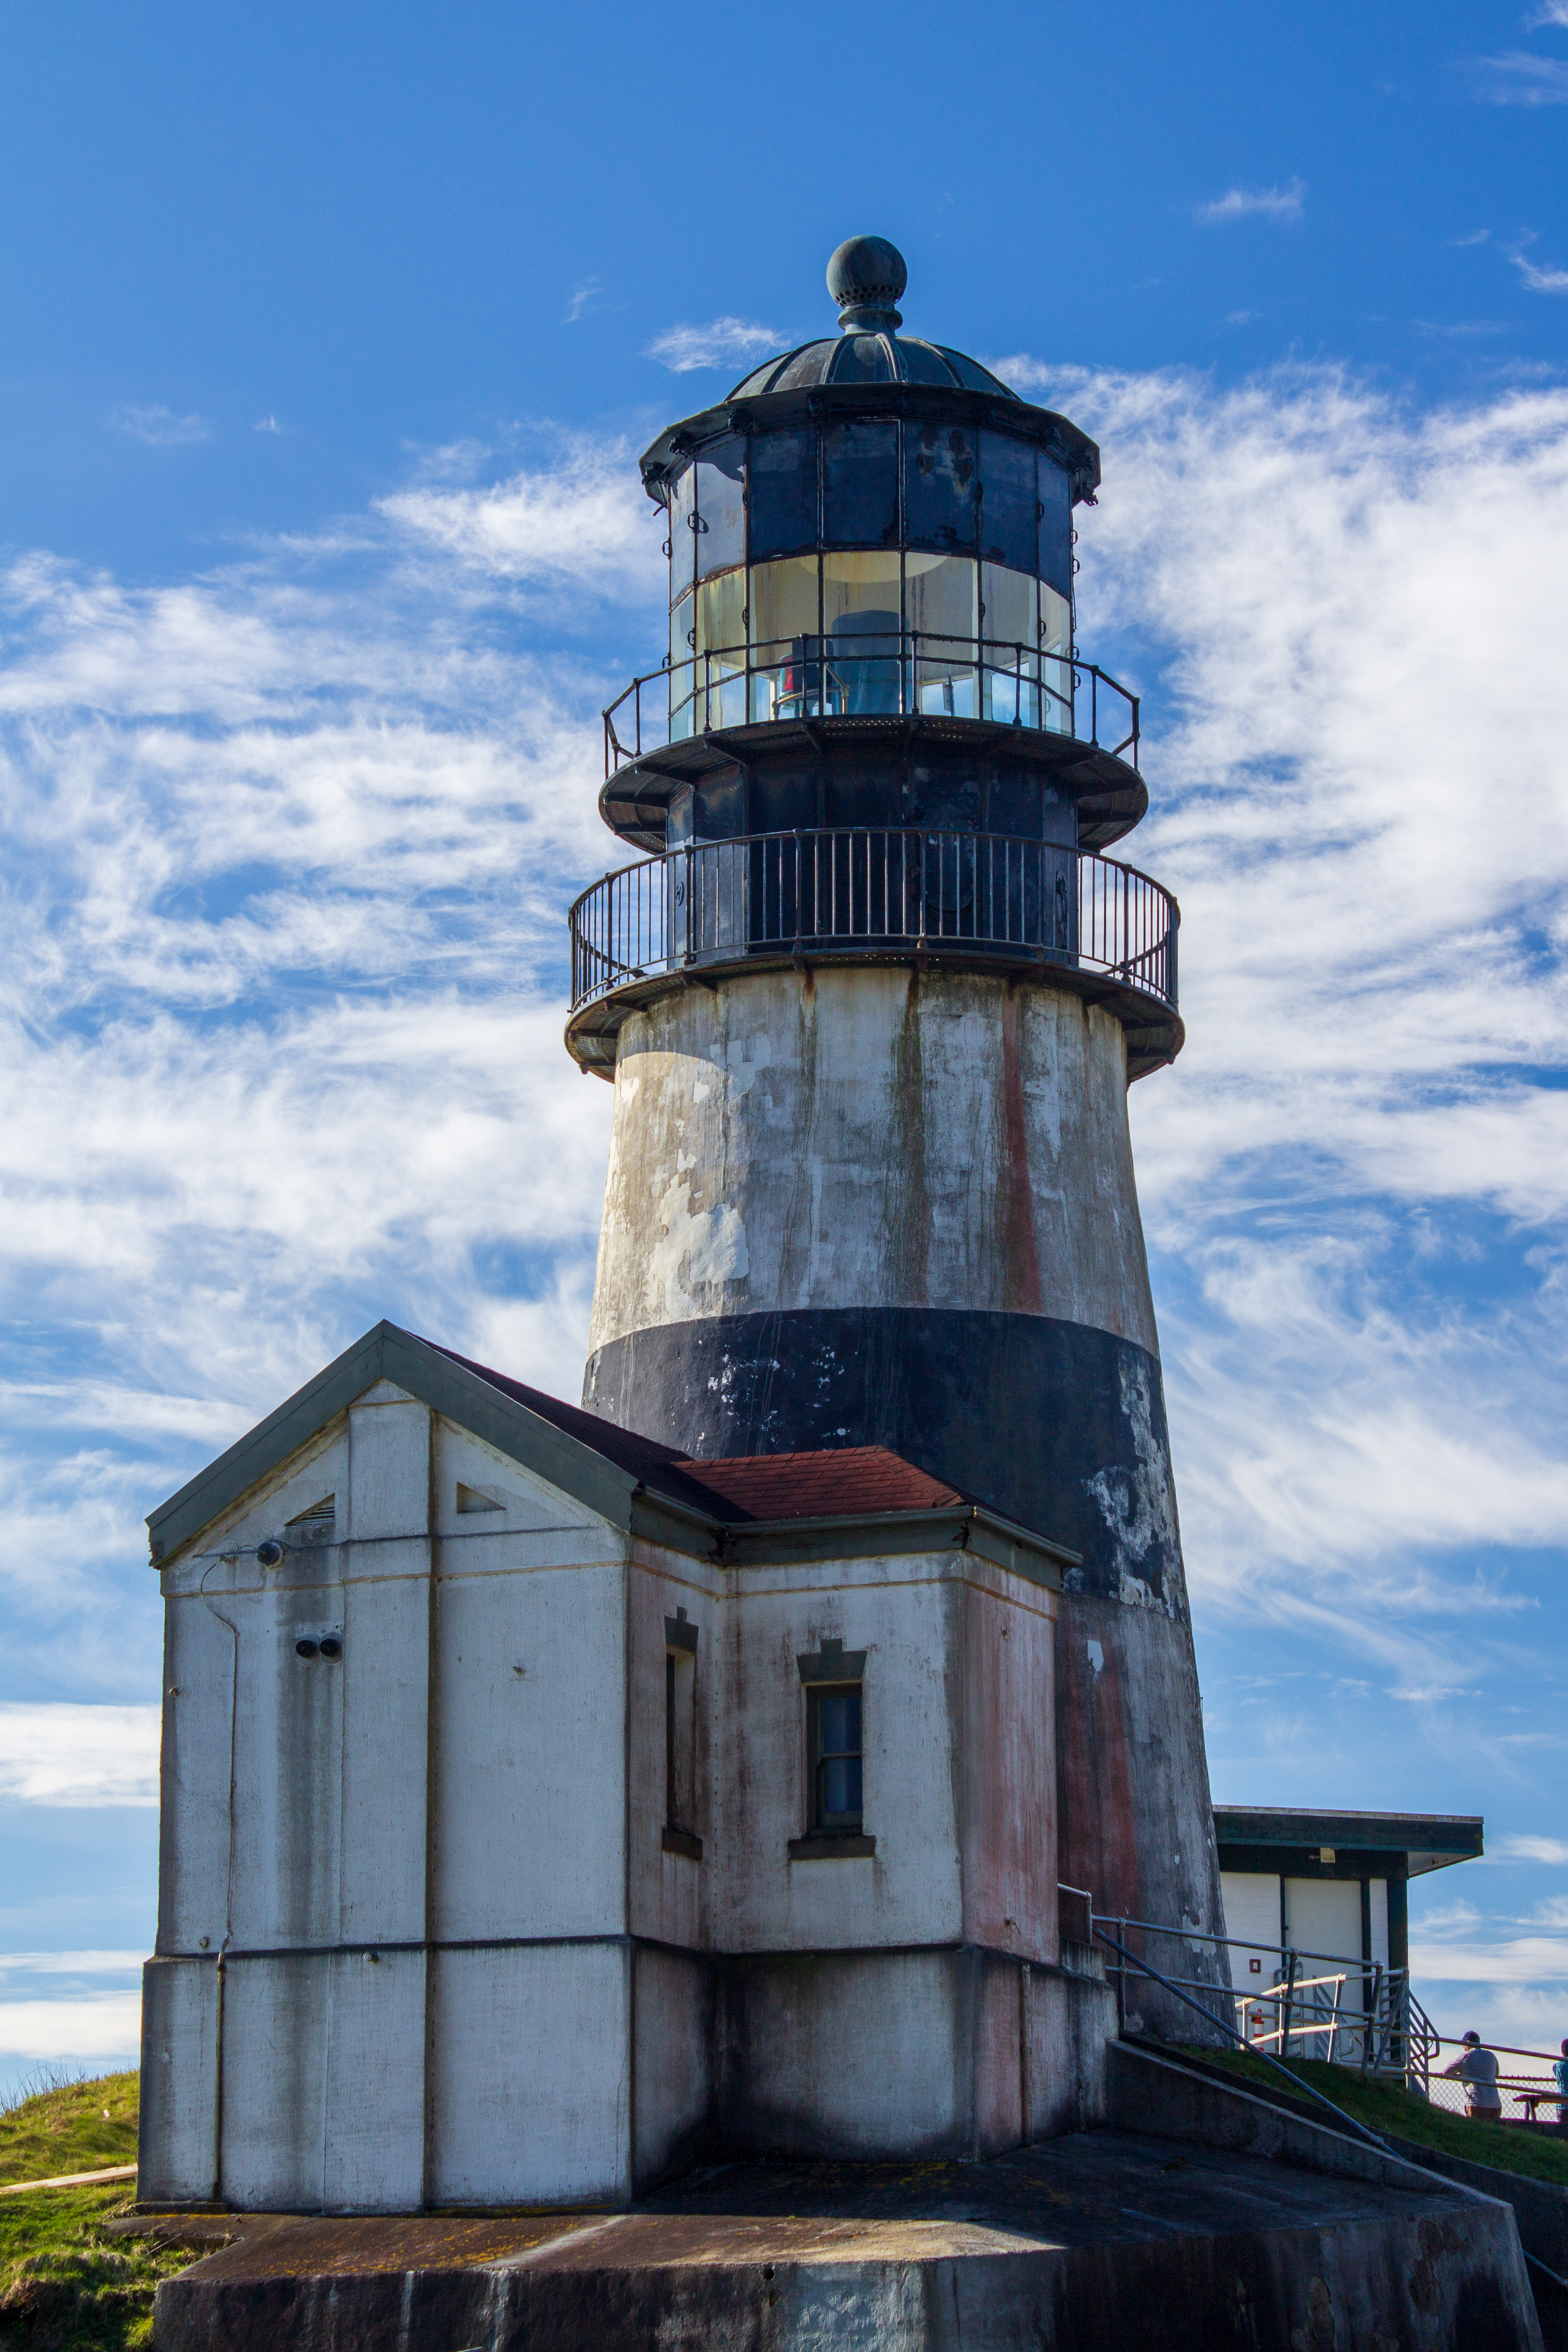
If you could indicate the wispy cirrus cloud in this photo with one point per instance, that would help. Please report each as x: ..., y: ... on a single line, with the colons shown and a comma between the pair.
x: 71, y: 1755
x: 1519, y: 77
x: 1522, y: 1846
x: 1550, y: 12
x: 1540, y: 279
x: 1281, y: 203
x: 160, y: 427
x: 581, y: 522
x: 722, y: 343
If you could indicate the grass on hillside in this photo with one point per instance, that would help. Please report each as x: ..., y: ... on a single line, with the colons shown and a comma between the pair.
x: 69, y: 2126
x: 65, y: 2286
x: 1388, y: 2107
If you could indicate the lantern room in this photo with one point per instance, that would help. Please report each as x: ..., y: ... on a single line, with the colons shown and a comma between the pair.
x: 872, y: 528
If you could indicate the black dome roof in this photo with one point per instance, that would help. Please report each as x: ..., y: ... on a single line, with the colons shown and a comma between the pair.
x: 884, y: 358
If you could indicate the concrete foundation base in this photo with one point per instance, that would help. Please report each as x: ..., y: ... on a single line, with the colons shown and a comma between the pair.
x: 1094, y: 2242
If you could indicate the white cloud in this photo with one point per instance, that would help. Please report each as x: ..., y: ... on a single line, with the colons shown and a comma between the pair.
x: 1550, y: 12
x: 584, y: 521
x: 105, y: 2026
x: 1538, y: 280
x: 60, y: 1754
x: 268, y: 424
x: 723, y: 343
x: 160, y: 427
x: 1521, y: 1847
x: 71, y: 1964
x: 586, y: 297
x: 1249, y: 203
x: 1518, y: 77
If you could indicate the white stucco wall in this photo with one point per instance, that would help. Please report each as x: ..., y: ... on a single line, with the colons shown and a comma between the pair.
x: 442, y: 1841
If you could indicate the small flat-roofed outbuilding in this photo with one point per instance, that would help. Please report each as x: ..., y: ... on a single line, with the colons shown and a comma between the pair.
x: 1333, y: 1883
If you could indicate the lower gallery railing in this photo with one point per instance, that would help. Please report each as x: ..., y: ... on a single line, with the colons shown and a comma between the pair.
x: 874, y: 890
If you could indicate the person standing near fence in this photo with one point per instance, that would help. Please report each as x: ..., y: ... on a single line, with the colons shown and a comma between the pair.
x: 1478, y: 2072
x: 1560, y: 2076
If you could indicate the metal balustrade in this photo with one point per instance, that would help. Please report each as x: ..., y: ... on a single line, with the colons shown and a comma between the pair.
x: 849, y: 674
x: 873, y: 890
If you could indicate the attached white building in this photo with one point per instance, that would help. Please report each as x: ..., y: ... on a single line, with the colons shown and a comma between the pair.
x: 541, y: 1809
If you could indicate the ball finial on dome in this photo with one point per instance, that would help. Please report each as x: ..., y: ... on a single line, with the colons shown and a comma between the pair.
x: 866, y: 277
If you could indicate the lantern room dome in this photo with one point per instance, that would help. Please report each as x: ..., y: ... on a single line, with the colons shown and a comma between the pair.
x: 884, y: 358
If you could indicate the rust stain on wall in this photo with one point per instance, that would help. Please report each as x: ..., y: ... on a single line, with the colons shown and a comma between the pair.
x: 1018, y: 1203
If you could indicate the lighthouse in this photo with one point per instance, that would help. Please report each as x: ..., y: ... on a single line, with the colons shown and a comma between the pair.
x: 871, y: 1003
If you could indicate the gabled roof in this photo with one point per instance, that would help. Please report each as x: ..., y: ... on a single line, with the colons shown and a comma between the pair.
x: 855, y: 1499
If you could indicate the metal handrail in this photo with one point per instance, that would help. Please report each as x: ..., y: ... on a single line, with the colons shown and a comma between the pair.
x: 870, y: 890
x: 878, y: 675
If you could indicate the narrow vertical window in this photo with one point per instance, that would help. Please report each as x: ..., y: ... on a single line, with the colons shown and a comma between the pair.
x: 832, y: 1689
x: 835, y: 1737
x: 681, y: 1737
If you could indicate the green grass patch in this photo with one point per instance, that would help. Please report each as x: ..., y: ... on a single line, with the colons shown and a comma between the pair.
x: 69, y: 2126
x: 1389, y: 2107
x: 65, y: 2284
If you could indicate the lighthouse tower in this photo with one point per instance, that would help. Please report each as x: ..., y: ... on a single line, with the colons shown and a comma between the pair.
x: 871, y: 1006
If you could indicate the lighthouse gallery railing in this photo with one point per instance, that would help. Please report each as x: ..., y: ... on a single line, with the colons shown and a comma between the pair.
x: 874, y: 890
x: 905, y: 673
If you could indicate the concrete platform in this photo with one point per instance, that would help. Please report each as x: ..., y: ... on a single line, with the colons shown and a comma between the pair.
x: 1096, y: 2242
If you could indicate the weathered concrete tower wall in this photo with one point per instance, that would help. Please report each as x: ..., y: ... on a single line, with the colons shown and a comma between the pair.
x: 895, y: 1205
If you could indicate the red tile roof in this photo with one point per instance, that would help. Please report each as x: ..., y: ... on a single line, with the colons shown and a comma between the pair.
x: 820, y: 1484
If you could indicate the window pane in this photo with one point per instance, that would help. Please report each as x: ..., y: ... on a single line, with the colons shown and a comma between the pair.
x: 939, y: 597
x: 1008, y: 513
x: 840, y: 1788
x: 940, y: 483
x: 860, y: 483
x: 1055, y: 526
x: 860, y: 623
x: 1056, y: 677
x: 787, y: 681
x: 782, y: 493
x: 1012, y: 662
x: 681, y: 621
x: 839, y: 1731
x: 720, y: 628
x: 720, y: 507
x: 721, y: 694
x: 682, y: 538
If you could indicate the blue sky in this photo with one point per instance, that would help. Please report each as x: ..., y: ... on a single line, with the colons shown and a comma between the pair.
x: 328, y: 341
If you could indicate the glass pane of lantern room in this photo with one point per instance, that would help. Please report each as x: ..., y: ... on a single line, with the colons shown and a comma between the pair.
x: 1056, y: 525
x: 1008, y: 502
x: 682, y: 538
x: 1011, y: 660
x: 1056, y: 674
x: 941, y: 479
x: 720, y: 506
x: 861, y: 630
x: 720, y: 699
x: 784, y: 493
x: 786, y: 681
x: 681, y: 630
x: 940, y: 603
x: 860, y: 483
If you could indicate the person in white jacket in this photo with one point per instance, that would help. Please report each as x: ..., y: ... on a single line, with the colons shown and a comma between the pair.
x: 1478, y: 2072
